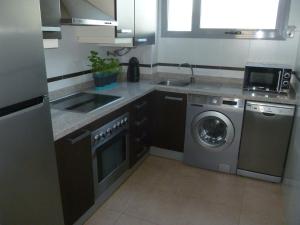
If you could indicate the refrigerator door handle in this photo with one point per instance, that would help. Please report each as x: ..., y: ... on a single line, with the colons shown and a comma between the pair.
x: 21, y: 108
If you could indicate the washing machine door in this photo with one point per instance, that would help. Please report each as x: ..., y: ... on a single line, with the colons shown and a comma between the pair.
x: 213, y: 130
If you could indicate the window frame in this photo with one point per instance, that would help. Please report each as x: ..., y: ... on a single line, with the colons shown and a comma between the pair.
x: 279, y: 33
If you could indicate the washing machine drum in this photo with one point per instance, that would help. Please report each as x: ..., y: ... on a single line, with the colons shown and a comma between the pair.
x: 213, y: 130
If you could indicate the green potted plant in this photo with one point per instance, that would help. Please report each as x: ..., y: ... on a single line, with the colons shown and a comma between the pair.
x: 105, y: 71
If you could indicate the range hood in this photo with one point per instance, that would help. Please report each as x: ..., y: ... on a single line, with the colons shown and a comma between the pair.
x: 83, y: 13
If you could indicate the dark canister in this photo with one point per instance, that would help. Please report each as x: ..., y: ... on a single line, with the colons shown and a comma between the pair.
x: 133, y: 72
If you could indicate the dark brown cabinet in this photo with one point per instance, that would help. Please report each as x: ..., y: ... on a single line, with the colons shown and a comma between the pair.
x: 169, y: 115
x: 140, y: 128
x: 74, y: 161
x: 157, y: 119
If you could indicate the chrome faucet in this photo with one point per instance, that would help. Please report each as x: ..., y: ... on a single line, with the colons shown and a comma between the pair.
x: 192, y: 70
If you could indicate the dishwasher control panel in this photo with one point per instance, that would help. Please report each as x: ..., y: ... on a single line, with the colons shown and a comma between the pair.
x: 276, y: 109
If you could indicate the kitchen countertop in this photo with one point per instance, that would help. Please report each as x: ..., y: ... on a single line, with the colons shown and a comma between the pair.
x: 66, y: 122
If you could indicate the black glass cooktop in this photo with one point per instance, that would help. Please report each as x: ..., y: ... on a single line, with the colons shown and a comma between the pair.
x: 83, y: 102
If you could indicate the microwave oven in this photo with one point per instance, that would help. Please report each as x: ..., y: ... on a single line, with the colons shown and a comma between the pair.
x: 268, y: 78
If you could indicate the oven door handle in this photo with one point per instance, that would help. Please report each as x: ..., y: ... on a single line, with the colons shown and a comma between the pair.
x: 83, y: 135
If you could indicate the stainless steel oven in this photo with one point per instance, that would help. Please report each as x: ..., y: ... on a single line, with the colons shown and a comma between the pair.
x: 266, y: 77
x: 110, y: 147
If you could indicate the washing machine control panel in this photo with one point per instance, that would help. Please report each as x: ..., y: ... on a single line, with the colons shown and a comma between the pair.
x: 233, y: 102
x: 213, y: 100
x: 216, y: 101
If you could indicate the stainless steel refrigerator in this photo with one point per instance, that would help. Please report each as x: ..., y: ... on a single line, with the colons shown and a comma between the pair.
x: 29, y: 188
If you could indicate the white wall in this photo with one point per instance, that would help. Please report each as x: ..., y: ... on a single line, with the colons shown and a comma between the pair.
x: 145, y: 55
x: 70, y: 57
x: 232, y: 53
x: 222, y: 52
x: 292, y: 173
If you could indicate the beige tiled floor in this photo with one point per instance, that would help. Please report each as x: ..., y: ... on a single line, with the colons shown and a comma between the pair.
x: 167, y: 192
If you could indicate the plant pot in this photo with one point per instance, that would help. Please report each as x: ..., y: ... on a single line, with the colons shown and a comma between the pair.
x: 102, y: 79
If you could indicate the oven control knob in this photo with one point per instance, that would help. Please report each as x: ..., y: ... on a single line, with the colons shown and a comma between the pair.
x: 96, y: 137
x: 122, y: 122
x: 102, y: 135
x: 114, y: 126
x: 287, y: 76
x: 109, y: 131
x: 118, y: 124
x: 285, y: 83
x: 125, y: 119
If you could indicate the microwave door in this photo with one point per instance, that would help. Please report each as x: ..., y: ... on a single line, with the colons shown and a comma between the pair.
x: 263, y: 80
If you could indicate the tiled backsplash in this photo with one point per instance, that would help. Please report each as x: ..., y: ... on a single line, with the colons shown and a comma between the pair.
x: 70, y: 57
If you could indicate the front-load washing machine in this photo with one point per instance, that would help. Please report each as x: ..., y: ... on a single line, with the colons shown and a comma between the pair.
x: 213, y: 132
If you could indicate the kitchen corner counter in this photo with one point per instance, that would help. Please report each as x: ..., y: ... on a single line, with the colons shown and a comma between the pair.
x: 66, y: 122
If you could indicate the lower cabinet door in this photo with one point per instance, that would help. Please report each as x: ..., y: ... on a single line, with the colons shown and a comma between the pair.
x: 74, y: 160
x: 169, y: 117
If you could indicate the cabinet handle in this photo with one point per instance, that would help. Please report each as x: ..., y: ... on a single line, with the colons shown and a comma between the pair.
x: 141, y: 139
x: 142, y: 105
x: 141, y: 40
x: 51, y: 29
x: 197, y: 105
x: 84, y: 134
x: 139, y: 123
x: 268, y: 114
x: 174, y: 99
x: 124, y: 31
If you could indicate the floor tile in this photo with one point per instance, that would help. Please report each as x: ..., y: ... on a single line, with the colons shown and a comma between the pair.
x: 130, y: 220
x: 158, y: 207
x: 256, y: 217
x: 200, y: 212
x: 103, y: 217
x: 168, y: 192
x: 214, y: 188
x: 262, y: 204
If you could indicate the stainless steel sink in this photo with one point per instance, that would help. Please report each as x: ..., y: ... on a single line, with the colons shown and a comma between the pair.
x: 175, y: 83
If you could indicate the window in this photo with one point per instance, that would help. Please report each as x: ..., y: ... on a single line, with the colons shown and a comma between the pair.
x: 180, y: 15
x: 260, y: 19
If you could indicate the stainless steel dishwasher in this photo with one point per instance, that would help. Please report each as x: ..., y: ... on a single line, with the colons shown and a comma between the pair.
x: 265, y: 140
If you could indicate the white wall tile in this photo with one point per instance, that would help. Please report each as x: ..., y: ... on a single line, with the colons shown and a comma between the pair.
x: 202, y: 72
x: 291, y: 181
x: 294, y: 14
x: 292, y: 175
x: 70, y: 57
x: 298, y: 57
x: 143, y: 53
x: 282, y: 52
x: 230, y: 52
x: 53, y: 86
x: 215, y: 52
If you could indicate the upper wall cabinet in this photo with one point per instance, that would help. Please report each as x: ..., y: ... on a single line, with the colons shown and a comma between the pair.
x: 125, y: 17
x: 136, y: 24
x: 50, y: 12
x: 145, y: 22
